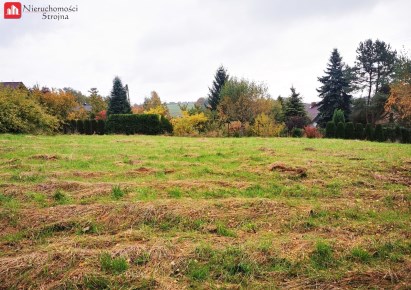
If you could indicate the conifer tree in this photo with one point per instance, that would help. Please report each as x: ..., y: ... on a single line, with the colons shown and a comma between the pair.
x: 294, y: 106
x: 334, y: 90
x: 119, y: 103
x: 214, y: 96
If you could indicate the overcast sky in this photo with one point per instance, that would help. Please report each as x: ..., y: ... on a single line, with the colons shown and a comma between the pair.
x: 175, y: 47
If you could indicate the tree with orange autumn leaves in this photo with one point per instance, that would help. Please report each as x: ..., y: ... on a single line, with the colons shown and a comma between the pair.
x: 399, y: 102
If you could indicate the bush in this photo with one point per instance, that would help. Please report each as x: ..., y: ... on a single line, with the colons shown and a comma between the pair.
x: 398, y: 134
x: 390, y: 134
x: 378, y: 134
x: 101, y: 124
x: 73, y: 126
x: 405, y: 136
x: 296, y: 122
x: 330, y: 130
x: 87, y: 127
x: 80, y: 126
x: 359, y: 131
x: 297, y: 132
x: 149, y: 124
x: 311, y: 132
x: 20, y: 113
x: 94, y: 126
x: 340, y: 132
x: 338, y: 116
x: 166, y: 125
x: 349, y: 130
x: 369, y: 132
x: 189, y: 124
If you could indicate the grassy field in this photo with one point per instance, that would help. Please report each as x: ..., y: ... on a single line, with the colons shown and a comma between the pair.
x: 141, y: 212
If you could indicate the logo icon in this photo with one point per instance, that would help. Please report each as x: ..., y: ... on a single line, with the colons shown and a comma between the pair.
x: 12, y: 10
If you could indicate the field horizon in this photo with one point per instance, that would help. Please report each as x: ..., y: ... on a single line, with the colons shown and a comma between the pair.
x: 163, y: 212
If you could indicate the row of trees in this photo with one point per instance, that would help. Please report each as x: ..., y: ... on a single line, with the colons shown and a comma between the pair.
x: 380, y: 76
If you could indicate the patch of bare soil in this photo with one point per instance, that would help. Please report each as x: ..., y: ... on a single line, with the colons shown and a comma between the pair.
x: 48, y: 157
x: 295, y: 171
x: 396, y: 178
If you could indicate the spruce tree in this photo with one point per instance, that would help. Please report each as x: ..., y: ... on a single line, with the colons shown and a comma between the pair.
x: 334, y: 90
x: 119, y: 103
x: 294, y: 106
x: 214, y: 96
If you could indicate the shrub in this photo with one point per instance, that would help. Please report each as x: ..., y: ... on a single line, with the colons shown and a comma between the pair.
x: 349, y: 130
x: 405, y: 136
x: 80, y: 126
x: 311, y: 132
x: 113, y: 265
x: 338, y: 116
x: 101, y: 124
x: 378, y: 134
x: 189, y: 124
x: 87, y: 127
x: 297, y: 132
x: 330, y: 130
x: 398, y: 132
x: 390, y: 134
x: 73, y: 126
x: 296, y: 122
x: 266, y: 126
x: 166, y: 125
x: 149, y: 124
x: 359, y: 131
x: 369, y: 132
x: 340, y: 132
x: 20, y: 113
x: 94, y: 126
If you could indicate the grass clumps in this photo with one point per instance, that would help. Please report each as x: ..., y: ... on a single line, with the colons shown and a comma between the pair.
x: 323, y: 256
x: 113, y: 265
x: 117, y: 193
x: 60, y: 197
x: 142, y: 259
x: 358, y: 254
x: 223, y: 230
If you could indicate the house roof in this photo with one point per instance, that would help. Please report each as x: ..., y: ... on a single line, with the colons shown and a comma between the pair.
x: 13, y: 85
x: 312, y: 110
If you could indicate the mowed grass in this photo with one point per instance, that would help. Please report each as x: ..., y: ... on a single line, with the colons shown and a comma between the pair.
x: 155, y: 212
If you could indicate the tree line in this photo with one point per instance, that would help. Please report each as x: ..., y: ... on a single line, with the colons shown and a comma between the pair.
x: 374, y: 90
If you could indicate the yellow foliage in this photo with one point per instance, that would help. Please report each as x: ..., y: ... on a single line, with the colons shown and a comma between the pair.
x: 266, y: 126
x: 188, y: 124
x: 159, y: 110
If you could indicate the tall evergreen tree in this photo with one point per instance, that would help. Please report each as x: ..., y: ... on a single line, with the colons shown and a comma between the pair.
x: 214, y: 96
x: 334, y: 90
x: 294, y: 106
x: 118, y: 103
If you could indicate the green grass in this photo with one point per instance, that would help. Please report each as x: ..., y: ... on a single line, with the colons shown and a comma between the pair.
x: 113, y: 265
x: 203, y: 213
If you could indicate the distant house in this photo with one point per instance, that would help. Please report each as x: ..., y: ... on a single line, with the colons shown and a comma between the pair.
x: 13, y: 85
x: 312, y: 112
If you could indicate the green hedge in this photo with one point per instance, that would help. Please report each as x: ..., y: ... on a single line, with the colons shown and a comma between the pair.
x: 149, y: 124
x: 330, y: 130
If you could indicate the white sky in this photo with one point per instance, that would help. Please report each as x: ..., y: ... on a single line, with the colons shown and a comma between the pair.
x: 175, y: 47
